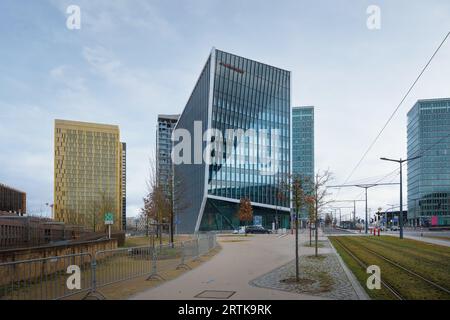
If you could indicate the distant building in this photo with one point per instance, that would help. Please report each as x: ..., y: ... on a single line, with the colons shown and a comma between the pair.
x: 166, y: 124
x: 88, y: 174
x: 303, y: 146
x: 242, y: 96
x: 429, y: 176
x: 124, y: 186
x: 27, y: 231
x: 390, y: 218
x: 12, y: 200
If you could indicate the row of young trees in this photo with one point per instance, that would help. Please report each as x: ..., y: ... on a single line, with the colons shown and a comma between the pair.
x: 308, y: 193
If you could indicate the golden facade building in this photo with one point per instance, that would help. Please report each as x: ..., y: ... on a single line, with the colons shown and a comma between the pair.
x: 88, y: 174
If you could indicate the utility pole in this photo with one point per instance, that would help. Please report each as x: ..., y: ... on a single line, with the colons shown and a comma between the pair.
x: 354, y: 207
x: 400, y: 162
x: 340, y: 212
x: 364, y: 186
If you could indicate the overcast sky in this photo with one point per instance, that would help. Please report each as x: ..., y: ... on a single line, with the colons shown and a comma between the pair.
x: 134, y: 59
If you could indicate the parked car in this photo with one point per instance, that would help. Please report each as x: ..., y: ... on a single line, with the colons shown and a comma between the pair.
x: 241, y: 230
x: 256, y: 229
x: 395, y: 228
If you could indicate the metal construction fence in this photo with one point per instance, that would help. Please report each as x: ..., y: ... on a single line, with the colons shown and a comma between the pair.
x: 82, y: 275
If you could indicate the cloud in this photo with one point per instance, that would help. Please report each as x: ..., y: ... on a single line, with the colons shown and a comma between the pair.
x: 67, y: 77
x: 116, y: 16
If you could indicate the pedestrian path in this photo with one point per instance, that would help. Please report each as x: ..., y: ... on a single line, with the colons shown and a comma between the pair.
x: 241, y: 260
x: 235, y: 272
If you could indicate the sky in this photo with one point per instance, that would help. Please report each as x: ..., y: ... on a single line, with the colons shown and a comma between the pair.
x: 132, y: 60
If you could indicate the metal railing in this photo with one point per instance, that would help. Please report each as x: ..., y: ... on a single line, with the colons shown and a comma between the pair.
x: 81, y: 275
x: 44, y: 278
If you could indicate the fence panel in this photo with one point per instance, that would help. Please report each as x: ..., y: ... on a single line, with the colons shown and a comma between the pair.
x: 51, y: 278
x: 190, y: 249
x: 122, y: 264
x: 46, y: 278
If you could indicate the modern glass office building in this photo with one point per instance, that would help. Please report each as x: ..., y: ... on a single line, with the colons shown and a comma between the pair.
x: 303, y: 141
x: 303, y: 145
x: 429, y: 176
x: 247, y: 155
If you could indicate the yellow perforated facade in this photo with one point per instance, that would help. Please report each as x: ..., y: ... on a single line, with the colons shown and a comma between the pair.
x: 88, y: 173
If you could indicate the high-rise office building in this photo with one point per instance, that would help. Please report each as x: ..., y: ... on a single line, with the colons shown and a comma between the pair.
x: 429, y: 176
x: 303, y: 146
x: 165, y: 126
x: 124, y: 185
x: 88, y: 174
x: 246, y: 106
x: 12, y: 200
x: 303, y: 141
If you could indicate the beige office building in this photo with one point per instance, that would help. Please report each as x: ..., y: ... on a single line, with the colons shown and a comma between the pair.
x: 88, y: 174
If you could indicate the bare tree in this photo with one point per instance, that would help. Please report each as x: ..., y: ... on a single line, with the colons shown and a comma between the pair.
x: 103, y: 203
x: 176, y: 200
x: 163, y: 198
x: 298, y: 186
x: 156, y: 207
x: 319, y: 195
x: 328, y: 219
x: 311, y: 215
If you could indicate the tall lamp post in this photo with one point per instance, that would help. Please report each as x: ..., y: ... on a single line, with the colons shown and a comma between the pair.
x: 400, y: 162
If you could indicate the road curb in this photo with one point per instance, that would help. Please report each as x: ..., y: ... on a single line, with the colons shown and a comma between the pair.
x: 359, y: 290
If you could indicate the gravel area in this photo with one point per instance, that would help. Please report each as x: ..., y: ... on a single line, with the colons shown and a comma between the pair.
x: 319, y: 276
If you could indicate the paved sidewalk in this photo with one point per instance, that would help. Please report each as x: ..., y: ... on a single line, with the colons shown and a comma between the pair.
x: 423, y: 239
x: 241, y: 260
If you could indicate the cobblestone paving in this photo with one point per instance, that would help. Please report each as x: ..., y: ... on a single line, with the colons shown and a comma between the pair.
x: 322, y: 276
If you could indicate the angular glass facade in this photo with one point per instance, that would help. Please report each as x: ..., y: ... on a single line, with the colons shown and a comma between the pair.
x: 247, y: 103
x: 429, y: 176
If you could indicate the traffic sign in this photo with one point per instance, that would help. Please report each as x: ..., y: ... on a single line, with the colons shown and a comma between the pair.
x: 109, y: 218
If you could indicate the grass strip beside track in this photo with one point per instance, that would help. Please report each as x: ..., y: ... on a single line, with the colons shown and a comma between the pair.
x: 428, y: 261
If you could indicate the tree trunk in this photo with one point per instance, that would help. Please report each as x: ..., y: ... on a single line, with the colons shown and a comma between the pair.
x: 296, y: 247
x: 316, y: 234
x: 171, y: 229
x: 310, y: 233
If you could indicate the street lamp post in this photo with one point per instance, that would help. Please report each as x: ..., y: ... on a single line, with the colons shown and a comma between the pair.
x: 400, y: 162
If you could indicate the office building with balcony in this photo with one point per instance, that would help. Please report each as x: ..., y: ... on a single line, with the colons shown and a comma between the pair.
x: 246, y: 106
x: 124, y: 185
x: 88, y: 173
x: 165, y: 126
x: 429, y: 176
